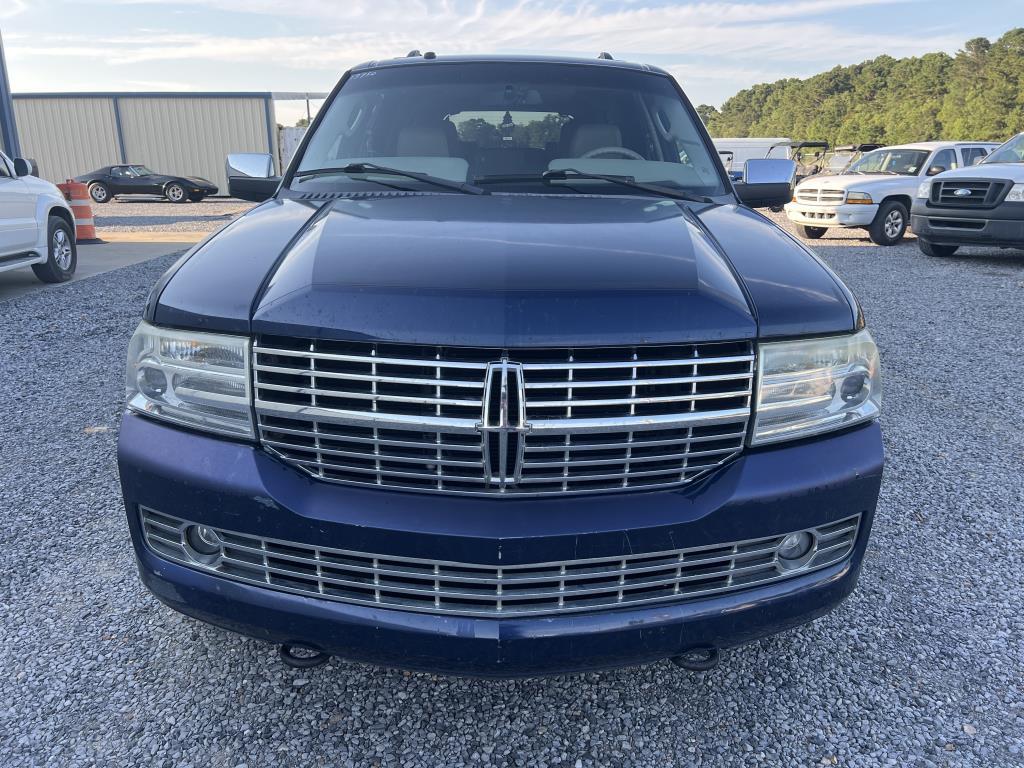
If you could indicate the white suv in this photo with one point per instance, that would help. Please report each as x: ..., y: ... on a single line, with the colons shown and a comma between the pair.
x: 876, y: 192
x: 37, y: 227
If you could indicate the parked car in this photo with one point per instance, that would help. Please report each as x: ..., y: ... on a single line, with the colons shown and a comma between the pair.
x: 110, y: 181
x: 979, y: 205
x: 875, y: 192
x: 503, y: 378
x: 37, y: 227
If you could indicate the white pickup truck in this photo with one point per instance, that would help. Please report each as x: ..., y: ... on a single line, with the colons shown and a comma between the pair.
x: 875, y: 192
x: 37, y: 227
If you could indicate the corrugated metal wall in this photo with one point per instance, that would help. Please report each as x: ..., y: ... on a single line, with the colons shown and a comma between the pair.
x: 67, y: 136
x: 192, y: 136
x: 183, y: 134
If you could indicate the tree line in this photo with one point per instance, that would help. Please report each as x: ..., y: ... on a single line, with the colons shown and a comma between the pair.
x: 978, y: 94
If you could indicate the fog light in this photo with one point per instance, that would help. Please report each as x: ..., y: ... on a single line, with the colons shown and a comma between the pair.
x: 795, y: 546
x: 202, y: 540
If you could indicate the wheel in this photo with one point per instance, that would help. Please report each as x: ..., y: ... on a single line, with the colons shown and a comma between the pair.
x: 811, y: 233
x: 175, y: 193
x: 196, y: 198
x: 62, y: 256
x: 890, y: 223
x: 932, y: 249
x: 99, y: 192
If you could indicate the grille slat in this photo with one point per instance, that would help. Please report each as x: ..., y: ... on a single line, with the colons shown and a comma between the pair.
x: 469, y: 589
x: 822, y: 196
x: 581, y: 420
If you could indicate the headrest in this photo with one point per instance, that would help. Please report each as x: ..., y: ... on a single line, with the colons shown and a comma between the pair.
x: 591, y: 136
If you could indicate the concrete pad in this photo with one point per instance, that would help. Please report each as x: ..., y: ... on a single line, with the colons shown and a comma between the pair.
x: 152, y: 237
x: 92, y: 260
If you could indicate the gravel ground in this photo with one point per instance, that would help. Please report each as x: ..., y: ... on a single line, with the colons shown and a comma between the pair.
x: 138, y: 214
x: 922, y: 666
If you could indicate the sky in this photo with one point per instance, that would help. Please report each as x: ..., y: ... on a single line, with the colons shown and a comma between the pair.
x: 713, y: 47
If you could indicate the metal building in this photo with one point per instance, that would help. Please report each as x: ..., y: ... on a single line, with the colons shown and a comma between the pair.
x: 180, y: 133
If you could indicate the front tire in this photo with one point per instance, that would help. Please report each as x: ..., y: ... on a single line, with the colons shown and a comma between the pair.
x: 811, y: 233
x: 62, y: 253
x: 175, y: 193
x: 99, y: 192
x: 932, y: 249
x: 890, y: 224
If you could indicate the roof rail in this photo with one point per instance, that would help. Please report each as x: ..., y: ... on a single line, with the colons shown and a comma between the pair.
x: 605, y: 55
x: 413, y: 54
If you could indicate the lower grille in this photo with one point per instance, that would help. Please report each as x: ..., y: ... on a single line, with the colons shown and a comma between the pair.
x: 465, y: 589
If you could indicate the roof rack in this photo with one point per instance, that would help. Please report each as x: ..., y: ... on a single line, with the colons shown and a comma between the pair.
x: 605, y: 55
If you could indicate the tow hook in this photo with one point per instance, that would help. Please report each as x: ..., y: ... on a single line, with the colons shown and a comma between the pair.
x: 698, y: 659
x: 301, y: 656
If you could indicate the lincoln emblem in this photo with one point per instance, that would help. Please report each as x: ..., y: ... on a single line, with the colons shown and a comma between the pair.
x: 503, y: 425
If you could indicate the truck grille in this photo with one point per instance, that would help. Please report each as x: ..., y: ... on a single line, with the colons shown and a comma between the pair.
x: 820, y: 196
x: 450, y: 588
x: 982, y: 194
x: 493, y: 421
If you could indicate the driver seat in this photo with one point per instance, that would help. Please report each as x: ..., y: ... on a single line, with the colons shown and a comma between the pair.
x: 591, y: 136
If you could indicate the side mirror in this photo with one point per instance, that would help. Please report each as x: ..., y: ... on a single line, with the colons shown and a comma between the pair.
x: 935, y: 170
x: 767, y: 183
x: 251, y: 176
x: 23, y: 167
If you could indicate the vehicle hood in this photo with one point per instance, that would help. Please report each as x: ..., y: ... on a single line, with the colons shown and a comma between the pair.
x: 870, y: 182
x: 1008, y: 171
x: 502, y: 271
x: 199, y: 181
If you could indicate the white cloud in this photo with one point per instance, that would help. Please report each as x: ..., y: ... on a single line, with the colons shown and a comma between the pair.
x: 11, y: 8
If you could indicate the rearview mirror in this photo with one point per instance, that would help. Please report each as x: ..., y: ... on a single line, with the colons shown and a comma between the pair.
x: 766, y: 183
x: 251, y: 176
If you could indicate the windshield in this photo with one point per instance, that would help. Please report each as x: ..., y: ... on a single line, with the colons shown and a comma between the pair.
x: 902, y: 162
x: 503, y: 125
x: 1010, y: 152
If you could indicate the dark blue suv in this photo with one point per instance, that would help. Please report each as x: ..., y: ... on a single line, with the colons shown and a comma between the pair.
x: 503, y: 378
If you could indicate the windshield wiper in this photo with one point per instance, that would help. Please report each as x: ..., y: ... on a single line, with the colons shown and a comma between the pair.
x: 569, y: 174
x: 355, y: 169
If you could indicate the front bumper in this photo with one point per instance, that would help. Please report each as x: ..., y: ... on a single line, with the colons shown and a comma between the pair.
x: 844, y: 215
x: 239, y: 487
x: 1000, y: 226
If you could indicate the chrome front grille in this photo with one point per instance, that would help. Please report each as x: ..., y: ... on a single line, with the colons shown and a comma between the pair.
x: 452, y: 588
x: 820, y: 195
x: 966, y: 193
x: 494, y: 421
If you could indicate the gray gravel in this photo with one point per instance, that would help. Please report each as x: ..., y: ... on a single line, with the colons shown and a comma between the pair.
x: 138, y: 214
x: 922, y: 666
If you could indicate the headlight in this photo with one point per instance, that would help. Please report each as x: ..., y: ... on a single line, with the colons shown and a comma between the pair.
x: 924, y: 189
x: 198, y: 380
x: 859, y: 198
x: 815, y: 385
x: 1016, y: 194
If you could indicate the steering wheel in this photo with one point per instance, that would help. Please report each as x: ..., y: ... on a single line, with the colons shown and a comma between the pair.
x: 620, y: 151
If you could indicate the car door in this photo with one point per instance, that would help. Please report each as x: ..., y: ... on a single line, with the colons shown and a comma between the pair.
x: 17, y: 212
x: 119, y: 180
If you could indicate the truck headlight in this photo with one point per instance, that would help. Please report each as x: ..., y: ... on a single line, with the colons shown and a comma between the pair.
x: 859, y: 198
x: 924, y: 189
x: 812, y: 386
x: 1016, y: 194
x: 198, y: 380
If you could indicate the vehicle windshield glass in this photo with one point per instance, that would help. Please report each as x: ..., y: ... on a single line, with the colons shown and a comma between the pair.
x: 139, y: 170
x: 504, y: 124
x: 1010, y: 152
x: 903, y: 162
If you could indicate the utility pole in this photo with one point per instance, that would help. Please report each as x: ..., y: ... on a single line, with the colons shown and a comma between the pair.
x: 8, y: 129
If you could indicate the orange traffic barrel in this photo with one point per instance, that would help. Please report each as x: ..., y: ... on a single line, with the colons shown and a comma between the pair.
x: 77, y: 194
